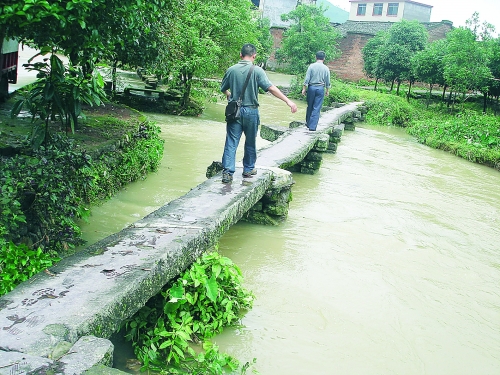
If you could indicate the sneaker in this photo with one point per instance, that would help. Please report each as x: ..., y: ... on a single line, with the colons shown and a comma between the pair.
x: 227, y: 178
x: 253, y: 172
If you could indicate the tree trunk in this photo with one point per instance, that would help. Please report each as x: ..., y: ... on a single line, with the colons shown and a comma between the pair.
x: 409, y: 92
x: 3, y: 95
x: 397, y: 89
x: 113, y: 77
x: 430, y: 95
x: 485, y: 102
x: 444, y: 92
x: 392, y: 84
x: 376, y: 83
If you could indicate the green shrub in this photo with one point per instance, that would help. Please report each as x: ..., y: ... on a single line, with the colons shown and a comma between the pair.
x: 40, y: 199
x: 341, y: 92
x: 18, y: 263
x: 196, y: 306
x: 110, y: 171
x: 45, y: 191
x: 392, y: 110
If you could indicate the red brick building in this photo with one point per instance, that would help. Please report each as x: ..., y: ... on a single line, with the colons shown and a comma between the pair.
x: 349, y: 65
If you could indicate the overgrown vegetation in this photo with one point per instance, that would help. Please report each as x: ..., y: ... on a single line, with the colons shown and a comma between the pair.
x: 466, y: 61
x: 310, y: 31
x: 466, y: 132
x: 45, y: 191
x: 171, y: 332
x: 18, y: 263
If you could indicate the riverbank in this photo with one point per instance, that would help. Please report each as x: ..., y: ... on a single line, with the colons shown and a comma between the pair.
x: 463, y: 130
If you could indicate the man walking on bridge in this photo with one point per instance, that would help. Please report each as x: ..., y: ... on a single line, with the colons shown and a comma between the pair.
x: 248, y: 123
x: 317, y: 84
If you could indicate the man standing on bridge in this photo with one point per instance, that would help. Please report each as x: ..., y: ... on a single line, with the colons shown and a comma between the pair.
x: 248, y: 123
x: 317, y: 84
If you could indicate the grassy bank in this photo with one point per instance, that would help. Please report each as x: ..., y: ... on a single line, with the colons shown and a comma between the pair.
x: 464, y: 131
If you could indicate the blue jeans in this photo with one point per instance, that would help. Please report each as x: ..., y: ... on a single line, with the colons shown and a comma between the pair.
x: 315, y: 96
x: 247, y: 124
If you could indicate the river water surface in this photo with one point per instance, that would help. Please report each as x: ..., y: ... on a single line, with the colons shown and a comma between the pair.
x: 389, y: 262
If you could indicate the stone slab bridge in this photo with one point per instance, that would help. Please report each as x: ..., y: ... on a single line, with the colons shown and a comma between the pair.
x: 60, y: 320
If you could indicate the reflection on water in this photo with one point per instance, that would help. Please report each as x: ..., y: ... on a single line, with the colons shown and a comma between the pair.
x: 388, y: 263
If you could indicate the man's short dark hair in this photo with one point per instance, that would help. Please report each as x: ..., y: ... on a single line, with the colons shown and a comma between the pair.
x: 248, y: 50
x: 320, y: 55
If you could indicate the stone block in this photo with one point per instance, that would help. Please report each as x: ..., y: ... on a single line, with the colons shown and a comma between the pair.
x: 363, y: 109
x: 332, y: 148
x: 271, y: 133
x: 313, y: 155
x: 260, y: 218
x: 104, y: 370
x: 213, y: 169
x: 281, y: 178
x: 350, y: 126
x: 87, y: 352
x: 316, y: 164
x: 306, y: 170
x: 13, y: 363
x: 277, y: 209
x: 297, y: 124
x: 322, y: 142
x: 257, y: 206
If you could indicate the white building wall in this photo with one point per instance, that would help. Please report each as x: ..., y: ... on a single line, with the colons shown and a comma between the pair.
x: 417, y: 12
x: 406, y: 10
x: 273, y: 9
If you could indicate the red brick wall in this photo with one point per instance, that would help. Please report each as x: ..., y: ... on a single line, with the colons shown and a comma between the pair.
x: 349, y: 65
x: 277, y: 34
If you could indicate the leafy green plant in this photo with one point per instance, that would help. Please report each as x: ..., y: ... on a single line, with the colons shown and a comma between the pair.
x: 40, y: 200
x: 390, y: 110
x: 59, y: 92
x: 341, y: 92
x: 196, y: 306
x: 18, y: 263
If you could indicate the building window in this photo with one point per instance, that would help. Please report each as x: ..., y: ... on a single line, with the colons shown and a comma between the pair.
x: 392, y: 9
x: 377, y: 9
x: 361, y: 9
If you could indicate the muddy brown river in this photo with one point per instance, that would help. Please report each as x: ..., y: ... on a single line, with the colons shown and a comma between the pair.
x: 389, y: 262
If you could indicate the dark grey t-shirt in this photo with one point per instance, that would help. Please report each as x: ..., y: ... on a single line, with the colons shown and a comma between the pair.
x: 317, y: 74
x: 234, y: 79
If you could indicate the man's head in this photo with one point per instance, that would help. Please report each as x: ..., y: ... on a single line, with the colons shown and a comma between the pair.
x: 320, y: 55
x: 248, y: 50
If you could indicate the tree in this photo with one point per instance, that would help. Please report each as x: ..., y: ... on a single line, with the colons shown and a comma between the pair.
x: 265, y: 40
x: 404, y: 39
x: 310, y: 31
x: 466, y: 62
x: 371, y: 54
x: 494, y: 86
x: 428, y: 64
x: 84, y: 30
x: 206, y: 38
